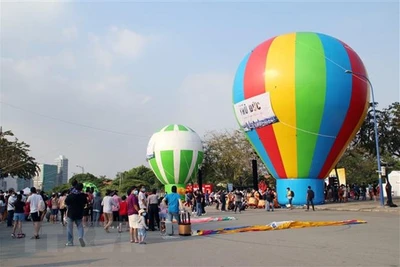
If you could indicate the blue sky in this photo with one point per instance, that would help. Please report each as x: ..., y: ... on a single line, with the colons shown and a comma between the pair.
x: 135, y: 67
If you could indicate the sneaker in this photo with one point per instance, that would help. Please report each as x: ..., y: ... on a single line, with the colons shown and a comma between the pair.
x: 82, y: 242
x: 69, y: 245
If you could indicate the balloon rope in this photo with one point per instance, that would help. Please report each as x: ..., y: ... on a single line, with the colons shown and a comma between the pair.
x: 332, y: 61
x: 305, y: 131
x: 323, y: 55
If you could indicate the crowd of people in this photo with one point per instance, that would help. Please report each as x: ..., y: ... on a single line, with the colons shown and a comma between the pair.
x: 136, y: 212
x: 139, y: 211
x: 344, y: 193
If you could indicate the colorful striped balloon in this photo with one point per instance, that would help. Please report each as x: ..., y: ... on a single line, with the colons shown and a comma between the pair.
x: 174, y: 154
x: 318, y: 108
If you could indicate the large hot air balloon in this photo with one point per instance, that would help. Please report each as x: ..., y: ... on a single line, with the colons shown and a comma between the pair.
x: 298, y: 107
x: 175, y: 154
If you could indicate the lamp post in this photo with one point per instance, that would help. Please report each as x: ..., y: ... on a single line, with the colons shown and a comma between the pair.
x: 81, y: 167
x: 378, y: 158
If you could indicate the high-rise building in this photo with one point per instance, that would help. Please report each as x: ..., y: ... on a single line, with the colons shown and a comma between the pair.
x: 62, y: 164
x: 15, y: 182
x: 47, y: 178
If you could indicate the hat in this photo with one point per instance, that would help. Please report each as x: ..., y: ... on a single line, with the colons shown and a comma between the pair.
x: 141, y: 211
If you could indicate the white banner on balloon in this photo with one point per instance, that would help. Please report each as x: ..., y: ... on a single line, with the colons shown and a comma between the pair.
x: 255, y: 112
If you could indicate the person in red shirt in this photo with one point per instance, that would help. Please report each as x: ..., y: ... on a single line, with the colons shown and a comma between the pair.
x: 123, y: 214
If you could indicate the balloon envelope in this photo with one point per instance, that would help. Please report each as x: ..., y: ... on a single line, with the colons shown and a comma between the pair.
x: 174, y: 154
x: 298, y: 106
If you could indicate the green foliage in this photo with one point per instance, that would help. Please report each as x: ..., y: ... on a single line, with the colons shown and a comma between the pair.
x: 227, y: 158
x: 15, y: 159
x: 360, y: 157
x: 388, y: 121
x: 60, y: 188
x: 86, y: 177
x: 136, y: 176
x: 124, y: 180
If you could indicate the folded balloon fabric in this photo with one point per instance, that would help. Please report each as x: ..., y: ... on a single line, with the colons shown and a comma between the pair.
x: 275, y: 226
x: 210, y: 219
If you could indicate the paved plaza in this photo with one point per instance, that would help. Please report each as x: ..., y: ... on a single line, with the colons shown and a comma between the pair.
x: 373, y: 244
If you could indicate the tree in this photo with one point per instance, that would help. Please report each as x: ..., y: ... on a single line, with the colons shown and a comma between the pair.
x: 137, y: 176
x: 360, y: 157
x: 388, y: 121
x: 360, y: 166
x: 15, y: 160
x: 87, y: 177
x: 391, y: 129
x: 227, y: 158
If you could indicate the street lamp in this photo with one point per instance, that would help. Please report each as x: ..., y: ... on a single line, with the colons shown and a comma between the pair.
x: 378, y: 158
x: 81, y: 167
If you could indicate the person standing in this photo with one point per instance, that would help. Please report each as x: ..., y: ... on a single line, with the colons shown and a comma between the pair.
x: 223, y: 200
x: 133, y: 214
x: 142, y: 227
x: 115, y: 209
x: 36, y: 204
x: 238, y: 200
x: 108, y: 204
x: 290, y: 196
x: 143, y: 200
x: 310, y: 198
x: 270, y: 200
x: 97, y: 209
x: 2, y: 205
x: 199, y: 199
x: 174, y: 204
x: 10, y: 206
x: 154, y: 218
x: 54, y: 208
x: 76, y: 204
x: 63, y: 207
x: 123, y: 214
x: 18, y: 217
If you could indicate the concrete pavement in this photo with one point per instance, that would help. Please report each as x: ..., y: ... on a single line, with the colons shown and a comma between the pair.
x: 373, y: 244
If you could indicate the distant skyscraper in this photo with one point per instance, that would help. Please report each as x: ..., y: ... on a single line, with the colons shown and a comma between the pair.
x: 62, y: 164
x: 47, y: 178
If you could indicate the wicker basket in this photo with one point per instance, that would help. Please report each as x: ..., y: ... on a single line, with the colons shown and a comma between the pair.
x: 185, y: 229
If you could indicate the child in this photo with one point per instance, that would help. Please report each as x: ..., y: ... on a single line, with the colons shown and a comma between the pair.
x: 163, y: 216
x: 19, y: 216
x: 123, y: 214
x: 142, y: 227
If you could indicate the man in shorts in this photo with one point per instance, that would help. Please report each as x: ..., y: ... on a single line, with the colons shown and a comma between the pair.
x: 133, y: 214
x: 35, y: 200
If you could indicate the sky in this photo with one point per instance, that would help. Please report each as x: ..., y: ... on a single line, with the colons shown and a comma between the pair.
x: 94, y: 80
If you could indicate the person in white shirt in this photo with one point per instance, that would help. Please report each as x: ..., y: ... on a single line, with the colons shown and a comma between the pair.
x: 142, y: 198
x: 35, y: 202
x: 10, y: 207
x: 108, y: 203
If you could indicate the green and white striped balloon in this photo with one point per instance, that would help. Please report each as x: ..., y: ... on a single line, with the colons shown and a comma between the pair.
x: 174, y: 154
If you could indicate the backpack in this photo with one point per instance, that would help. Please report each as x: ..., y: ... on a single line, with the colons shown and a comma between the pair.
x: 292, y: 193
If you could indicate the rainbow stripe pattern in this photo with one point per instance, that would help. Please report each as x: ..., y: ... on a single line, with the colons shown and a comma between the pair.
x: 319, y: 106
x: 275, y: 226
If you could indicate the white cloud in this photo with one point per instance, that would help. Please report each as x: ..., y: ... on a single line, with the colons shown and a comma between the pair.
x: 117, y: 43
x: 101, y: 55
x: 25, y: 21
x: 127, y: 43
x: 70, y: 34
x: 208, y: 97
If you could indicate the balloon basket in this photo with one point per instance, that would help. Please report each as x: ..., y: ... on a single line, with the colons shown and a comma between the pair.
x: 185, y: 229
x: 300, y: 186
